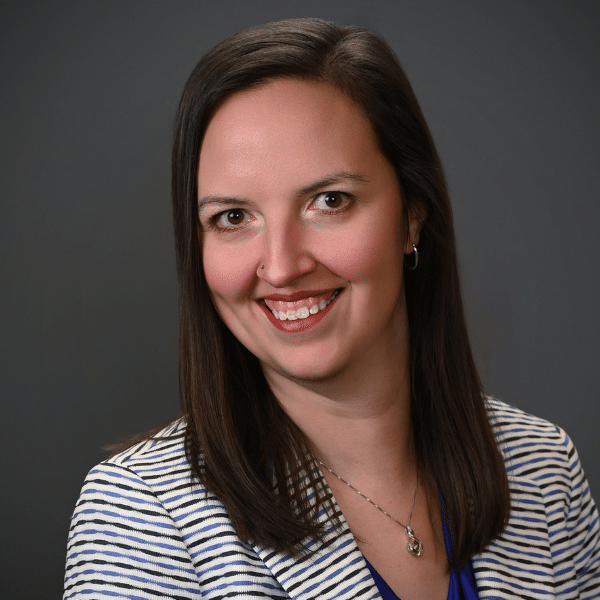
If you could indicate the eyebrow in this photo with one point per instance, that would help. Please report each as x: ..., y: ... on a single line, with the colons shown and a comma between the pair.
x: 221, y: 201
x: 328, y: 180
x: 340, y: 177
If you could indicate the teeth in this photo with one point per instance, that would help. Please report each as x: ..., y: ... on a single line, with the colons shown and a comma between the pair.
x: 303, y: 313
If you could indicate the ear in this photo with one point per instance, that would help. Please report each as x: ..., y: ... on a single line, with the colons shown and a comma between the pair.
x: 415, y: 217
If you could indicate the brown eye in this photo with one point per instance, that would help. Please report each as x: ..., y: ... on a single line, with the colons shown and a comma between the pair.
x: 234, y: 216
x: 333, y: 199
x: 332, y: 202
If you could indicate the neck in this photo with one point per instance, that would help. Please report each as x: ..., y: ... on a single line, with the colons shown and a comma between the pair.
x: 355, y: 420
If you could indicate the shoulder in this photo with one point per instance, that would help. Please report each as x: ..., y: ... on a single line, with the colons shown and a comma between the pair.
x: 149, y: 468
x: 153, y: 475
x: 144, y: 523
x: 530, y: 445
x: 540, y: 458
x: 506, y: 419
x: 541, y: 462
x: 542, y: 465
x: 160, y: 453
x: 121, y: 519
x: 553, y: 522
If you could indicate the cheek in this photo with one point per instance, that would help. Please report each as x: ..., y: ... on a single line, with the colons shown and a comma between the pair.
x: 365, y: 252
x: 351, y: 261
x: 229, y: 272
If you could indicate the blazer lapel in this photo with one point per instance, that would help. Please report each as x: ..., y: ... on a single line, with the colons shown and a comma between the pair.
x: 333, y: 568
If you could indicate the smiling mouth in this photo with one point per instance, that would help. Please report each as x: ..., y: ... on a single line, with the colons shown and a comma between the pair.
x: 301, y: 309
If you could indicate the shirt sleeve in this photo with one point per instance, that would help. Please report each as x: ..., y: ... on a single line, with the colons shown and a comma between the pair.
x: 123, y: 543
x: 583, y: 528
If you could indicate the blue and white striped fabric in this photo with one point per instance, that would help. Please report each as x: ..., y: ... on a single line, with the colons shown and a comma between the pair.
x: 141, y: 531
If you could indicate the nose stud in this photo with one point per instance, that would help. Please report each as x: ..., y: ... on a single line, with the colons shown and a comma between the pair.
x: 262, y: 266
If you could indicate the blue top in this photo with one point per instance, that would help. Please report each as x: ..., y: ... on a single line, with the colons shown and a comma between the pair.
x: 462, y: 582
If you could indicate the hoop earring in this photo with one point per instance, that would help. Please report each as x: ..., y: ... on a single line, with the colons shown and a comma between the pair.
x: 416, y: 254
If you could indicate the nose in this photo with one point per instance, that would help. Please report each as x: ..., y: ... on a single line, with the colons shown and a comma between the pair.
x: 288, y: 255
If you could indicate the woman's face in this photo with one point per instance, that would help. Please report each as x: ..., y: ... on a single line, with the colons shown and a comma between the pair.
x: 302, y: 230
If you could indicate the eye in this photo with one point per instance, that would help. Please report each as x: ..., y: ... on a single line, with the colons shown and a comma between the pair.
x: 230, y: 219
x: 234, y: 216
x: 331, y: 200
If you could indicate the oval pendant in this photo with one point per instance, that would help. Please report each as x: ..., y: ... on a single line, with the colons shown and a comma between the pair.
x: 414, y: 547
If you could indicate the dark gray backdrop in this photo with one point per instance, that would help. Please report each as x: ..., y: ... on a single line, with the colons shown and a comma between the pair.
x: 511, y: 91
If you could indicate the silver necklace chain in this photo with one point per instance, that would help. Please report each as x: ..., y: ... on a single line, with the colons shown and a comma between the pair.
x: 414, y: 546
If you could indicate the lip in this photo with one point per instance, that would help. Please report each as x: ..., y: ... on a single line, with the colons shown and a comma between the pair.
x: 299, y: 325
x: 297, y: 295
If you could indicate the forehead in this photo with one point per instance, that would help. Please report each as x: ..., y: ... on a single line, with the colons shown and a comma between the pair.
x: 288, y: 97
x: 287, y: 128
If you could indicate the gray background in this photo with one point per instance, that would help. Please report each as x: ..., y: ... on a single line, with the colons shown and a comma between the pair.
x: 88, y: 303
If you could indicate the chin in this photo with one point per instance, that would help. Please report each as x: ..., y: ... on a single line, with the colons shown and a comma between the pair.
x: 306, y: 373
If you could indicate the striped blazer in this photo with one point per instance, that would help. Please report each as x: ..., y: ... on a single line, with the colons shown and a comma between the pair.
x: 140, y: 530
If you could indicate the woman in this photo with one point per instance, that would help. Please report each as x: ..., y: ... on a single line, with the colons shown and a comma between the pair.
x: 336, y: 441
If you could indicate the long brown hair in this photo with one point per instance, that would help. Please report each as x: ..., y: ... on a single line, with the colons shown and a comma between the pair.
x: 239, y: 441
